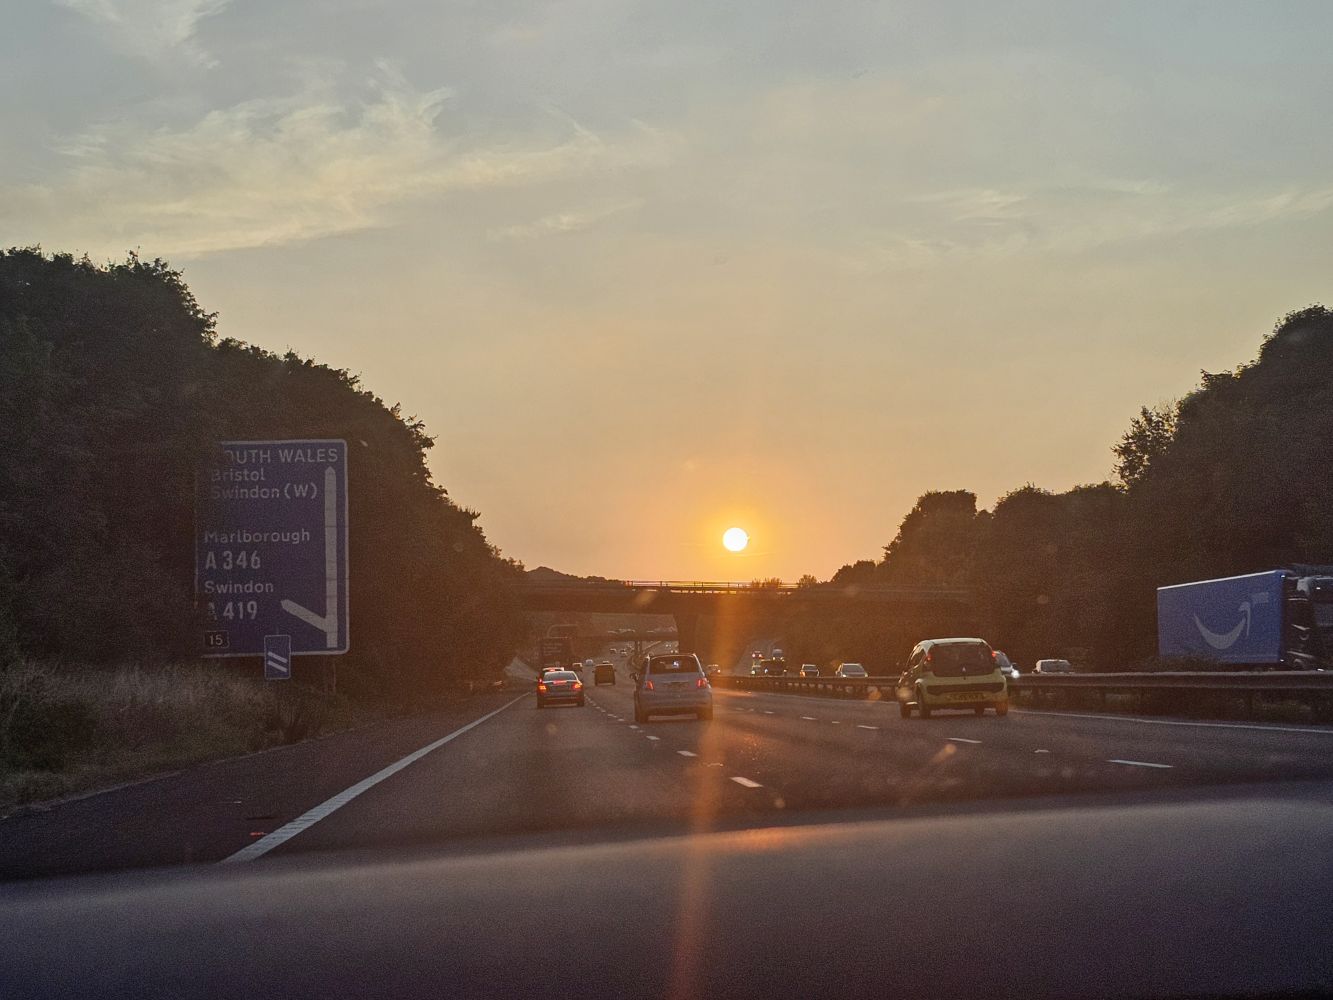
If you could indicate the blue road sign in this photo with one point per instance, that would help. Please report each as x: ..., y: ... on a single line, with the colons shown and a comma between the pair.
x: 277, y: 657
x: 271, y: 547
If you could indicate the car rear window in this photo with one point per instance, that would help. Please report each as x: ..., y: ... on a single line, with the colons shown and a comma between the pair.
x: 674, y: 665
x: 561, y: 675
x: 853, y: 668
x: 956, y: 659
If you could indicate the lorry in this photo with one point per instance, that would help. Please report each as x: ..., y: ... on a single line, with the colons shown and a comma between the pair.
x: 555, y: 651
x: 1279, y: 619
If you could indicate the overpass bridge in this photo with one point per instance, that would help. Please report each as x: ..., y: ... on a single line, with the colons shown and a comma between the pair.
x: 687, y: 601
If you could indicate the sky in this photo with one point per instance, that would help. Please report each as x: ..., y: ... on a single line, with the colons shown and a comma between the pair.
x: 651, y: 270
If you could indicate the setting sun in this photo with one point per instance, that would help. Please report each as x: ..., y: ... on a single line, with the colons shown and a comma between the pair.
x: 735, y: 539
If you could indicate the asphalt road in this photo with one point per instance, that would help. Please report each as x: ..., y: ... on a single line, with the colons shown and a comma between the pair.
x: 568, y: 774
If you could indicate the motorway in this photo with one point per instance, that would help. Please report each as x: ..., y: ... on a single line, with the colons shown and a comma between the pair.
x: 565, y: 774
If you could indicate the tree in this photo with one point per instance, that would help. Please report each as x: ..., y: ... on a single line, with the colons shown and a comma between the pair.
x: 1148, y: 437
x: 113, y: 384
x: 934, y: 543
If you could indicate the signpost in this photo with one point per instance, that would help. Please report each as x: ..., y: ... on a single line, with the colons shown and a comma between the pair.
x: 271, y: 551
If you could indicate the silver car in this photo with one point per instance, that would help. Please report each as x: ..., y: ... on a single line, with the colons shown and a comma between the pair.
x: 672, y: 684
x: 1006, y: 665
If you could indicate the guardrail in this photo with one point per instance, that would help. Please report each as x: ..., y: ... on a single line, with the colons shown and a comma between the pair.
x: 830, y: 687
x: 1168, y: 693
x: 1179, y: 692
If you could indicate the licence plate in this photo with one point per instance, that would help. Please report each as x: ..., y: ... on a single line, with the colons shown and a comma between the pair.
x: 965, y: 696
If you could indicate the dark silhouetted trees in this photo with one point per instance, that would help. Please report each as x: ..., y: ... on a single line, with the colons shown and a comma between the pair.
x: 113, y: 384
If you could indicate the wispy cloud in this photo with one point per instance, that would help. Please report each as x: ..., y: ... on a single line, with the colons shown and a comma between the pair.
x: 562, y: 222
x: 983, y: 222
x: 275, y: 171
x: 152, y: 29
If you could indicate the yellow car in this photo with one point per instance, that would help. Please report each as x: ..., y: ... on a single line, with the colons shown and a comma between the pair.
x: 952, y: 673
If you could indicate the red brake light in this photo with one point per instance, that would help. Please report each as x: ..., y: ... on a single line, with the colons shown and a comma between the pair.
x: 993, y: 656
x: 577, y: 685
x: 648, y: 686
x: 702, y: 682
x: 541, y: 686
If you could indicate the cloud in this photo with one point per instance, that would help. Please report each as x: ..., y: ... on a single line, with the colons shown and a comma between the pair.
x: 562, y: 222
x: 152, y: 29
x: 275, y: 171
x: 1063, y: 219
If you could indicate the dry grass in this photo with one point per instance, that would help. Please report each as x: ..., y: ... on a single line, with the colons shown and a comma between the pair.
x: 66, y: 729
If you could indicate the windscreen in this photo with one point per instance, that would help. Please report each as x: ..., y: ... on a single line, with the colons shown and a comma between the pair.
x: 956, y: 659
x: 674, y: 665
x: 560, y: 675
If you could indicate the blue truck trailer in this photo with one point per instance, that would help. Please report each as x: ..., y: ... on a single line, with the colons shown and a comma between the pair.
x: 1280, y: 619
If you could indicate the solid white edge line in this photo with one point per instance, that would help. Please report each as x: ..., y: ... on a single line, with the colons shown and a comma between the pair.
x: 1175, y: 722
x: 746, y: 782
x: 1139, y: 763
x: 309, y: 818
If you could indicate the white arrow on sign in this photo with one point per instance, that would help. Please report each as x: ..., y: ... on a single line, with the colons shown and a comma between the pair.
x: 327, y: 623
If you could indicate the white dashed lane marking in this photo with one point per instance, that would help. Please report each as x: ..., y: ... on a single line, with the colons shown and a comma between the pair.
x: 746, y: 782
x: 686, y: 753
x: 860, y: 726
x: 809, y: 718
x: 1139, y: 763
x: 961, y: 739
x: 654, y: 737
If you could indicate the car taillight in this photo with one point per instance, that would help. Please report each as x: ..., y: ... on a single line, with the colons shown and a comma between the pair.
x: 577, y: 685
x: 701, y: 683
x: 541, y: 688
x: 648, y: 686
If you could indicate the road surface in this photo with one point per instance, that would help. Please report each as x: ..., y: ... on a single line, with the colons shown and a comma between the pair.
x: 567, y: 774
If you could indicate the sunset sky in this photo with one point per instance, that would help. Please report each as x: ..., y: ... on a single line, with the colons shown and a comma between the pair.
x: 652, y: 270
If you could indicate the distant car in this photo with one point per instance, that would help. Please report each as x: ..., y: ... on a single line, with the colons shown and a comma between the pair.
x: 1006, y: 665
x: 756, y: 671
x: 559, y: 685
x: 713, y: 670
x: 672, y: 684
x: 773, y: 668
x: 604, y: 673
x: 850, y: 670
x: 1053, y: 667
x: 809, y: 670
x: 779, y: 654
x: 550, y: 667
x: 588, y: 664
x: 952, y: 673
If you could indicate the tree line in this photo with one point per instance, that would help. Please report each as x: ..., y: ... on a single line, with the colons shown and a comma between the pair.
x: 1235, y: 477
x: 114, y: 385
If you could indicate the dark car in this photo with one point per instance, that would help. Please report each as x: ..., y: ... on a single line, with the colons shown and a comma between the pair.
x: 604, y: 673
x: 557, y: 686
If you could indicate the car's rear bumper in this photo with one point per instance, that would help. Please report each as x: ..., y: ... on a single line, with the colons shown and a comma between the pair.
x: 552, y: 699
x: 675, y: 704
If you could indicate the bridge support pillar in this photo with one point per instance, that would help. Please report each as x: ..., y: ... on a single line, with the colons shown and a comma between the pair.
x: 687, y: 631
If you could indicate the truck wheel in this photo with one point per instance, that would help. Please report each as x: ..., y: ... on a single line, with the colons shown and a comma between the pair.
x: 1002, y: 708
x: 980, y: 710
x: 905, y: 709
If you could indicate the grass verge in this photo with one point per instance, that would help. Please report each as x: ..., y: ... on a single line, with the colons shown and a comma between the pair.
x: 66, y: 729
